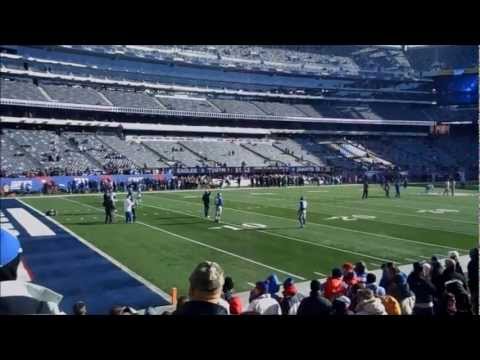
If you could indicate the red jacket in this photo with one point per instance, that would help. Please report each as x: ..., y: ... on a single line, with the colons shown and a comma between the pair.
x: 236, y: 307
x: 333, y: 288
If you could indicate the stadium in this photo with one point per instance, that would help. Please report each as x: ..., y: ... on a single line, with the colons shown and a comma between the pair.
x: 234, y: 179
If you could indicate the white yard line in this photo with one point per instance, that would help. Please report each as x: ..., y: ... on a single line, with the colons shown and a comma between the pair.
x: 201, y: 244
x: 251, y: 284
x: 320, y: 274
x: 342, y: 228
x: 133, y: 274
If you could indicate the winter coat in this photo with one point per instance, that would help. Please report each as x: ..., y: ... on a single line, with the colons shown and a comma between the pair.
x: 423, y: 289
x: 371, y: 306
x: 265, y: 305
x: 315, y: 304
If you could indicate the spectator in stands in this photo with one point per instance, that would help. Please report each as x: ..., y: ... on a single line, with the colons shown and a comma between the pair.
x: 436, y: 273
x: 473, y: 278
x: 462, y: 297
x: 334, y: 286
x: 274, y: 287
x: 235, y: 303
x: 360, y: 270
x: 389, y: 272
x: 447, y: 305
x: 291, y: 298
x: 206, y: 283
x: 315, y: 304
x: 371, y: 282
x: 262, y: 302
x: 180, y: 302
x: 392, y: 306
x: 368, y: 304
x: 80, y: 308
x: 353, y: 292
x: 341, y: 305
x: 350, y: 280
x: 400, y: 290
x: 454, y: 255
x: 450, y: 273
x: 423, y: 289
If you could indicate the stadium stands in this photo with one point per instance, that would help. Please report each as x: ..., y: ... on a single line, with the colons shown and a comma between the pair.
x: 278, y: 109
x: 187, y: 104
x: 20, y: 89
x: 74, y: 94
x: 173, y: 153
x: 225, y: 152
x: 237, y: 107
x: 49, y: 149
x: 141, y: 156
x: 133, y: 99
x: 101, y: 150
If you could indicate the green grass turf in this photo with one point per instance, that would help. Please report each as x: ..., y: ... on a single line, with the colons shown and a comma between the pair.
x: 171, y: 236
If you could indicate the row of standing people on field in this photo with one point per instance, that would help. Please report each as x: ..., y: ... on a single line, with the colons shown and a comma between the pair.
x: 385, y: 185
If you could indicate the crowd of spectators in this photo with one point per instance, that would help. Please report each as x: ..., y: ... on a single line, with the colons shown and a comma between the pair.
x: 429, y: 289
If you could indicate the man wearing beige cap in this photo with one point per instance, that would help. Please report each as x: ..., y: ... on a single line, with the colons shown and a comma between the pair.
x: 206, y: 282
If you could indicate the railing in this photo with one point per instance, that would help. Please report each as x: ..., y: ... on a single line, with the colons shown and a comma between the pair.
x: 208, y: 115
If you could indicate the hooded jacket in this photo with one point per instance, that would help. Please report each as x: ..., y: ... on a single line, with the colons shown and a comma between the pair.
x: 371, y: 306
x: 291, y: 300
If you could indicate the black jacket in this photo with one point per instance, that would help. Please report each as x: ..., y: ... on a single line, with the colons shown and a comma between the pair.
x: 473, y: 277
x: 452, y: 274
x: 200, y: 308
x: 206, y: 199
x: 423, y: 289
x: 315, y: 304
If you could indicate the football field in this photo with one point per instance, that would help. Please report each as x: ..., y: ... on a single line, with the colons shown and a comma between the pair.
x: 259, y: 233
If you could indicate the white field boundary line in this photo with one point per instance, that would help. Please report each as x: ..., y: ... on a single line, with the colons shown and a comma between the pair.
x: 130, y: 272
x: 342, y: 228
x: 99, y: 194
x: 283, y: 236
x: 199, y: 243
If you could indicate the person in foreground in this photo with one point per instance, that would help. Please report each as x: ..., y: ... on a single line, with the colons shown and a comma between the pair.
x: 206, y: 283
x: 18, y: 297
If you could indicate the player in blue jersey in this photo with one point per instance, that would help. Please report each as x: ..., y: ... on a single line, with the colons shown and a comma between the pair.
x: 218, y: 207
x: 302, y: 212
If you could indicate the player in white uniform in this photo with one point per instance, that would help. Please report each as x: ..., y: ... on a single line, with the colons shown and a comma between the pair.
x: 114, y: 199
x: 302, y: 212
x: 138, y: 193
x: 446, y: 191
